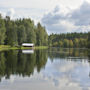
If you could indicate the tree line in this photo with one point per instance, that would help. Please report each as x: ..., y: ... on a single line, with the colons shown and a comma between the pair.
x: 70, y: 40
x: 88, y: 40
x: 16, y: 32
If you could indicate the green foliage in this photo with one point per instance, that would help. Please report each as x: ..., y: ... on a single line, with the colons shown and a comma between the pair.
x: 21, y: 34
x: 42, y: 36
x: 30, y: 31
x: 66, y: 43
x: 16, y: 32
x: 2, y: 30
x: 76, y: 42
x: 55, y: 44
x: 82, y: 42
x: 88, y: 40
x: 69, y: 40
x: 11, y: 34
x: 60, y: 43
x: 71, y: 43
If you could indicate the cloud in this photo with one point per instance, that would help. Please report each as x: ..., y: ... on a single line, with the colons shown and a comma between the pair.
x: 65, y: 20
x: 81, y: 16
x: 65, y: 17
x: 3, y: 13
x: 53, y: 19
x: 11, y: 13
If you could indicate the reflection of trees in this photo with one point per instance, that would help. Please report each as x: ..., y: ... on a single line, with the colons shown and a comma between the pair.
x: 2, y: 65
x: 21, y: 63
x: 89, y: 56
x: 89, y: 60
x: 66, y: 53
x: 41, y: 59
x: 14, y: 62
x: 69, y: 54
x: 26, y: 64
x: 11, y: 62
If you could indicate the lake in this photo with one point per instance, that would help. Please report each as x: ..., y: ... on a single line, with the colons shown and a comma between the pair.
x: 48, y: 69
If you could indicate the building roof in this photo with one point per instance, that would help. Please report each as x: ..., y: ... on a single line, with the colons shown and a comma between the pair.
x: 27, y: 44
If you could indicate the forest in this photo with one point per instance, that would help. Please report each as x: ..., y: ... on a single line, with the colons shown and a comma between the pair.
x: 16, y: 32
x: 70, y: 40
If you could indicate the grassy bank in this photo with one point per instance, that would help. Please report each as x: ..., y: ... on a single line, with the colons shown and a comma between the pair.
x: 7, y: 47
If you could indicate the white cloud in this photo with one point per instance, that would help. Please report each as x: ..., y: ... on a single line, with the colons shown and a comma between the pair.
x: 81, y: 16
x: 77, y: 20
x: 11, y: 13
x: 61, y: 15
x: 39, y: 4
x: 3, y: 13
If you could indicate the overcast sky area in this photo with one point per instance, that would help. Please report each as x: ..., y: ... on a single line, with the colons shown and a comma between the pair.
x: 58, y: 16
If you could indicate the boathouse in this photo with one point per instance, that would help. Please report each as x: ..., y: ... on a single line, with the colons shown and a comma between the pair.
x: 28, y: 45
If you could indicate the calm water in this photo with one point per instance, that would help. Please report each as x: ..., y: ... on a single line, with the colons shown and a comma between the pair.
x: 53, y: 69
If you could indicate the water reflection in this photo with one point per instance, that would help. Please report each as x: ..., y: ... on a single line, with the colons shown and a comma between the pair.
x: 56, y: 69
x: 71, y: 54
x: 28, y: 51
x: 15, y: 62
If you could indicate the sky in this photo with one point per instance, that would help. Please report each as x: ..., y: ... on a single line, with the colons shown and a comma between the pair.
x: 58, y: 16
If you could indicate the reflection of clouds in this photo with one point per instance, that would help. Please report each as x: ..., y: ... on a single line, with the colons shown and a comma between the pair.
x: 81, y: 75
x: 8, y: 81
x: 65, y: 66
x: 59, y: 75
x: 66, y: 84
x: 68, y: 74
x: 12, y: 78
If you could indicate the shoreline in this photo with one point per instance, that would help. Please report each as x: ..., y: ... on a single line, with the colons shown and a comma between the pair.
x: 7, y: 47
